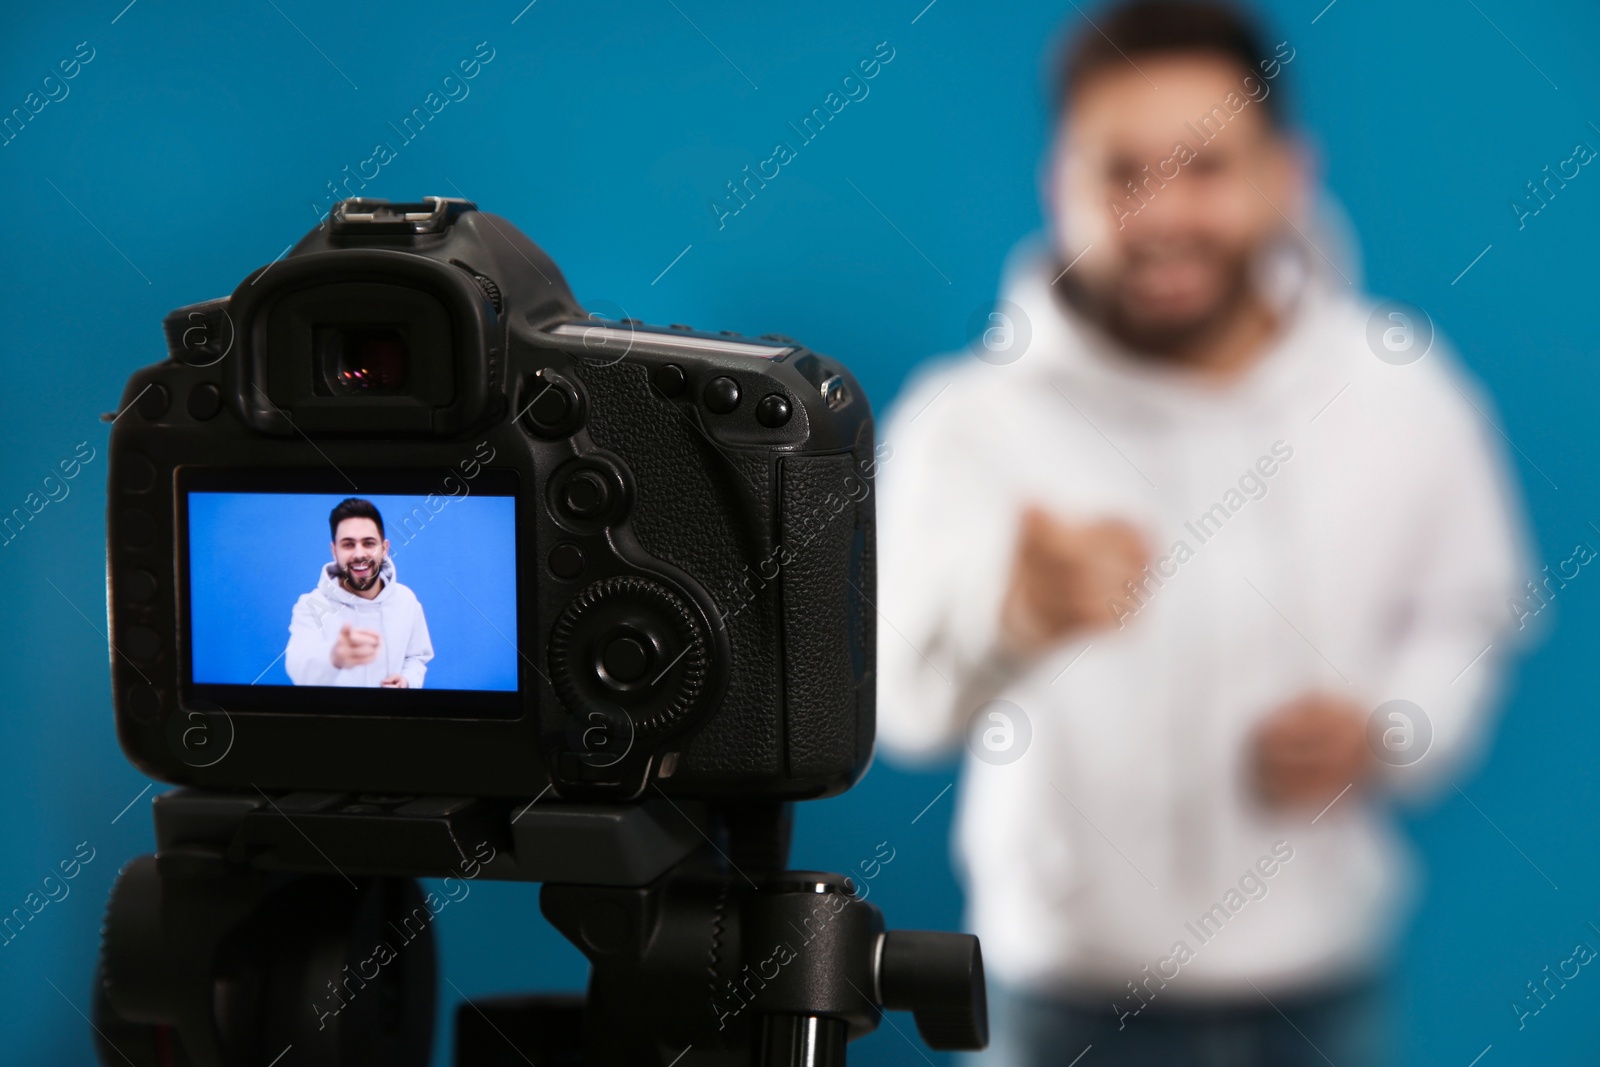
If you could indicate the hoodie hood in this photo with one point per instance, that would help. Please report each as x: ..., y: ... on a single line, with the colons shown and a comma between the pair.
x: 329, y: 586
x: 1301, y: 277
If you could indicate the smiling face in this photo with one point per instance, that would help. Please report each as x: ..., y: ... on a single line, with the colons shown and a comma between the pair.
x: 1169, y: 256
x: 358, y: 553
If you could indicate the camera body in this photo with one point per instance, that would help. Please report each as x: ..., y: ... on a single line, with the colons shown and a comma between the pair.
x: 662, y: 538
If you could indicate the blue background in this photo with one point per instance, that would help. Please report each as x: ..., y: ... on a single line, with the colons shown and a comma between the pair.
x: 195, y: 147
x: 252, y: 555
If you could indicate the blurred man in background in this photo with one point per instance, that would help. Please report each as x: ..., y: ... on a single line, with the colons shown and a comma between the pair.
x: 1201, y: 556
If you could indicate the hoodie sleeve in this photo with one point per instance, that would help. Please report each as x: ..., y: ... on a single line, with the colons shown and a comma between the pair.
x: 945, y: 537
x: 419, y: 649
x: 1456, y: 624
x: 307, y: 659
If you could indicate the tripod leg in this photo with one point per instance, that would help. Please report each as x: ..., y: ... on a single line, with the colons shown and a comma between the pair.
x: 803, y: 1041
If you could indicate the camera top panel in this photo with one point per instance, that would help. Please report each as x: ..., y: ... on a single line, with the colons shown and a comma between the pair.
x: 627, y: 334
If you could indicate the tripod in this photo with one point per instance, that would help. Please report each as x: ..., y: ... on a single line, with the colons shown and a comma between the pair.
x: 291, y: 926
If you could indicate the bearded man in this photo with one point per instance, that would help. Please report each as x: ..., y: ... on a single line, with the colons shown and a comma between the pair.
x: 359, y: 627
x: 1204, y: 555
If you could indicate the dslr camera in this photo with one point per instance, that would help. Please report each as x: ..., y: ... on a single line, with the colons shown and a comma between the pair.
x: 418, y: 570
x: 638, y: 556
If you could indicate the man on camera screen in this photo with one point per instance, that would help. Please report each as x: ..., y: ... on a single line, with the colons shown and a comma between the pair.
x: 359, y: 627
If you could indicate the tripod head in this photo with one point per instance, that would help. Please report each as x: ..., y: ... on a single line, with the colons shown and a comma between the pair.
x: 270, y: 922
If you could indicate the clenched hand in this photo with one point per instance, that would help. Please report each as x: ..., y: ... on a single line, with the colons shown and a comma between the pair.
x: 1066, y: 576
x: 355, y: 647
x: 1309, y: 750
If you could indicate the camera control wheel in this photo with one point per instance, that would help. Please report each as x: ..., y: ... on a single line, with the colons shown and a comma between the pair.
x: 634, y: 643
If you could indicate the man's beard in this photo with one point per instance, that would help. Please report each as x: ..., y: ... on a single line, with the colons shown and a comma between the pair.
x: 1102, y: 303
x: 361, y: 585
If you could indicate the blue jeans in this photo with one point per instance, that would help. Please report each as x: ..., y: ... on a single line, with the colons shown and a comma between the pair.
x: 1344, y: 1027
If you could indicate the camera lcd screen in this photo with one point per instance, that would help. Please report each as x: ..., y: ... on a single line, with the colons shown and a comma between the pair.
x: 359, y: 593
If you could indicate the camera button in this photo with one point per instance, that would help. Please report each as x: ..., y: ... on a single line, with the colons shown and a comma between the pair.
x: 549, y: 407
x: 773, y: 411
x: 153, y: 402
x: 143, y: 702
x: 668, y: 379
x: 721, y: 395
x: 141, y: 643
x: 626, y: 658
x: 552, y: 407
x: 566, y: 560
x: 205, y: 400
x: 139, y: 585
x: 136, y: 474
x: 586, y: 494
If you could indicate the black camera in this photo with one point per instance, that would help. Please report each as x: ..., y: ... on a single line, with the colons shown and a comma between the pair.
x: 596, y: 604
x: 588, y: 556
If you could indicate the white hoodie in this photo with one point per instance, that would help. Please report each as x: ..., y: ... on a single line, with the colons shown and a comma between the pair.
x: 319, y: 615
x: 1374, y: 562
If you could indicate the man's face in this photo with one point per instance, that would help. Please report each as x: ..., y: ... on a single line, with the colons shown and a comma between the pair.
x: 1166, y: 266
x: 358, y: 552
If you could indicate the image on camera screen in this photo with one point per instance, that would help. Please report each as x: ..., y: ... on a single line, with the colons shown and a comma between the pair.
x: 343, y: 595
